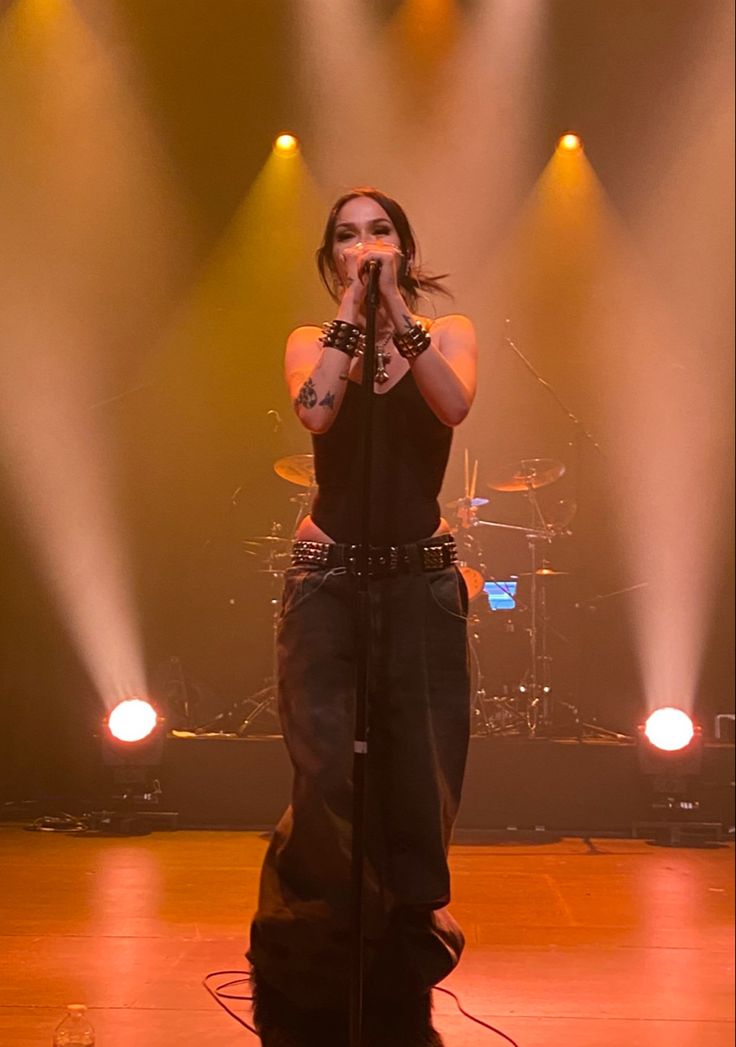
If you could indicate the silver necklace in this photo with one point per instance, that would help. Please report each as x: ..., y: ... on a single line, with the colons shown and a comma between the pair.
x: 383, y: 356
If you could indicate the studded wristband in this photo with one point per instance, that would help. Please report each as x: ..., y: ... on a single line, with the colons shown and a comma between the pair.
x: 339, y: 334
x: 413, y: 342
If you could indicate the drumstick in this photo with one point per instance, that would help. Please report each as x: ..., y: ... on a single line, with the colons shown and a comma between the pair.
x: 466, y: 472
x: 473, y: 481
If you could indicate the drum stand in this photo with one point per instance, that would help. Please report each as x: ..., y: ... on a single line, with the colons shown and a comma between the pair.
x: 534, y: 714
x: 265, y: 701
x: 541, y: 705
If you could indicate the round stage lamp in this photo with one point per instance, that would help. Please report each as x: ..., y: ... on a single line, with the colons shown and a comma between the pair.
x: 570, y: 142
x: 669, y: 729
x: 132, y: 720
x: 286, y: 144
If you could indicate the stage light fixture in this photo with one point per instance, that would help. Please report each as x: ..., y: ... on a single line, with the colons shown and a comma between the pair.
x: 286, y: 144
x: 132, y: 742
x: 669, y: 729
x: 570, y: 142
x: 132, y: 720
x: 670, y: 757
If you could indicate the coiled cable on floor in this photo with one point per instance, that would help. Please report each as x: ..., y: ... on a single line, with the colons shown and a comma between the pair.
x: 219, y: 995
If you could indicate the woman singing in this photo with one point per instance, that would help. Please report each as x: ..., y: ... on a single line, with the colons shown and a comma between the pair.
x: 424, y: 383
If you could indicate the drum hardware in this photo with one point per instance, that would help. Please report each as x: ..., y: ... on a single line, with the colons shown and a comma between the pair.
x: 274, y: 551
x: 262, y: 702
x: 527, y: 476
x: 536, y: 473
x: 297, y: 469
x: 468, y: 548
x: 592, y: 603
x: 529, y: 706
x: 562, y: 514
x: 533, y: 532
x: 470, y: 503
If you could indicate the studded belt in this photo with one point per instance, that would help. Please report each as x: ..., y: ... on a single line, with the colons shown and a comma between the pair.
x: 434, y: 554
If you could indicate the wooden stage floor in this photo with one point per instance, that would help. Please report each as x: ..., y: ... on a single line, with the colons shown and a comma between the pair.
x: 571, y: 943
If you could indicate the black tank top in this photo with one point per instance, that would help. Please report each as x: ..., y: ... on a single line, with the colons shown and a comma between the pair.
x: 410, y: 451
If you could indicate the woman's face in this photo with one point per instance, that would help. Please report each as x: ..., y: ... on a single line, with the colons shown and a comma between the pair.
x: 361, y: 220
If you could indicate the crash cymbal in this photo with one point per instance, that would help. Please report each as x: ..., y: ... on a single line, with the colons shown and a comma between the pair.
x: 529, y: 473
x: 466, y: 503
x: 297, y: 469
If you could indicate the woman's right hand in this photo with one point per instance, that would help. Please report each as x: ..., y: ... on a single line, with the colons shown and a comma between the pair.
x: 351, y: 276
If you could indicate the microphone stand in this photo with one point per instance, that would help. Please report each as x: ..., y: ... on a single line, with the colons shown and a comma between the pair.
x: 363, y: 668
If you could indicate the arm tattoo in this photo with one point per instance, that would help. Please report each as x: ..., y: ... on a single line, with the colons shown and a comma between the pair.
x: 407, y: 320
x: 307, y: 396
x: 328, y: 400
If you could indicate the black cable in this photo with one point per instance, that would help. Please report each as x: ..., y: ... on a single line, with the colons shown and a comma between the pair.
x: 59, y: 823
x: 215, y: 994
x: 218, y: 995
x: 472, y: 1017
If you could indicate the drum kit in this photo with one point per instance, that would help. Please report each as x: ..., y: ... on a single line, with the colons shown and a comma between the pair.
x: 525, y: 705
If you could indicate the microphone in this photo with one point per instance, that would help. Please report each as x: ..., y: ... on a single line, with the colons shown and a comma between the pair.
x: 373, y: 266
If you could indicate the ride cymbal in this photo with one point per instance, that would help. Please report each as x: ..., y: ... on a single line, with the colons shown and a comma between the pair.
x: 528, y: 474
x: 297, y: 469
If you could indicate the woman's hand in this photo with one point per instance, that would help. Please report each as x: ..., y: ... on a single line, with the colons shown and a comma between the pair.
x: 355, y: 261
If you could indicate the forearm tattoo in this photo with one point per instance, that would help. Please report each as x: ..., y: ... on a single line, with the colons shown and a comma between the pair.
x: 408, y: 320
x: 307, y: 396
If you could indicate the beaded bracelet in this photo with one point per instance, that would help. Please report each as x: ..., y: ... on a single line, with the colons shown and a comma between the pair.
x: 339, y: 334
x: 413, y: 342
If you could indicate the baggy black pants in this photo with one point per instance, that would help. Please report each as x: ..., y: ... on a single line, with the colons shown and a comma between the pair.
x: 419, y: 715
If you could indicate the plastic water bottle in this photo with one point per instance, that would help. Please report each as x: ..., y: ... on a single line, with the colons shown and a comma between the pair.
x: 75, y: 1030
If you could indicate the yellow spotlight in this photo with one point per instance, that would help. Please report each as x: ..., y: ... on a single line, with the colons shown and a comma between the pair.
x: 669, y: 729
x: 132, y: 720
x: 570, y: 142
x: 286, y: 144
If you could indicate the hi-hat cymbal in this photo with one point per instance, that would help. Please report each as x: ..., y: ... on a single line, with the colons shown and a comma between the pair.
x: 545, y: 571
x: 297, y: 469
x: 529, y: 473
x: 258, y: 538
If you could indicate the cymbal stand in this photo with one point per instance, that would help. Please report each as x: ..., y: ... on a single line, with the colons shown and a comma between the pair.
x: 266, y: 699
x: 470, y: 553
x: 538, y: 603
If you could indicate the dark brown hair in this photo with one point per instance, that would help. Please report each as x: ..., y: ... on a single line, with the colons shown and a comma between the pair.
x: 413, y: 279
